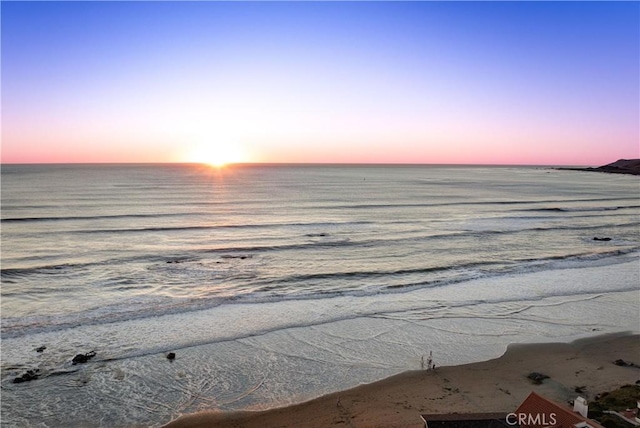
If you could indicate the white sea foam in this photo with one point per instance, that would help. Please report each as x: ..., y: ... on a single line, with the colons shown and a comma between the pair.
x: 336, y: 343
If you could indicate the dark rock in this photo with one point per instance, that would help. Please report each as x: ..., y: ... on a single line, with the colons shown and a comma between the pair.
x: 171, y: 356
x: 537, y: 378
x: 27, y: 376
x: 623, y: 363
x: 579, y: 389
x: 41, y: 348
x: 83, y: 358
x: 241, y: 257
x: 601, y: 239
x: 622, y: 166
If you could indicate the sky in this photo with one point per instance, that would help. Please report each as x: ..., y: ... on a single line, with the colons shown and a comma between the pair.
x: 534, y: 83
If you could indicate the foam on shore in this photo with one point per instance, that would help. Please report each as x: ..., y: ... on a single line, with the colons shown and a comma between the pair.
x: 497, y: 385
x: 273, y: 367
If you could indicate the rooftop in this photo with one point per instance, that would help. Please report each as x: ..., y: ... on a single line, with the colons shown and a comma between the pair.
x: 542, y: 412
x: 466, y: 420
x: 535, y: 411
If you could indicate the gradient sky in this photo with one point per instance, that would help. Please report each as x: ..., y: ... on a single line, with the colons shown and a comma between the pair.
x: 414, y: 82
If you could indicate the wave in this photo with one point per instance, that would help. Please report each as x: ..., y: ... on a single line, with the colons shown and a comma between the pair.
x: 96, y: 217
x: 374, y: 273
x: 328, y: 205
x: 44, y: 270
x: 589, y: 227
x: 327, y: 241
x: 484, y: 269
x: 468, y: 203
x: 480, y: 233
x: 212, y: 227
x: 582, y: 209
x: 345, y: 241
x: 137, y: 309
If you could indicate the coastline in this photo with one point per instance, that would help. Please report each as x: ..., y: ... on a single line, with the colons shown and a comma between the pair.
x: 621, y: 166
x: 606, y: 170
x: 497, y: 385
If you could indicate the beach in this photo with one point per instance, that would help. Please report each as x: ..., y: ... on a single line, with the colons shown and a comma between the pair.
x: 497, y: 385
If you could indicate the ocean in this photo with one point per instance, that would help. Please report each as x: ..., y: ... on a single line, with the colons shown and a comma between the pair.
x: 274, y: 284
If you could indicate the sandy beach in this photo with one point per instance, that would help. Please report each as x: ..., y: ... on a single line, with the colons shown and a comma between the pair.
x: 498, y: 385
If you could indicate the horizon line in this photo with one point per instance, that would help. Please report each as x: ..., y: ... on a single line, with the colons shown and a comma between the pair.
x: 236, y: 164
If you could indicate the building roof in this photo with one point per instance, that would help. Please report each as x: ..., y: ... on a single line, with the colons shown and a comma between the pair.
x: 466, y: 420
x: 537, y: 411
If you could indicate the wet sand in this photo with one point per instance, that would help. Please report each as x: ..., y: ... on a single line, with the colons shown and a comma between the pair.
x: 498, y: 385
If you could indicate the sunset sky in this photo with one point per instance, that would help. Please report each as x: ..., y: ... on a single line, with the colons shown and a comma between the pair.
x: 357, y: 82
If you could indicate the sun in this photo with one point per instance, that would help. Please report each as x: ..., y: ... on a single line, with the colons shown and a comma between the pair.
x: 216, y: 155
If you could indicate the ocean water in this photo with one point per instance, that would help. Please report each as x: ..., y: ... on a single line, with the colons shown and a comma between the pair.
x: 276, y: 284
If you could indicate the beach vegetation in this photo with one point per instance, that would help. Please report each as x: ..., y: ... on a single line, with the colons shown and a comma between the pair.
x: 623, y: 398
x: 537, y: 378
x: 613, y: 421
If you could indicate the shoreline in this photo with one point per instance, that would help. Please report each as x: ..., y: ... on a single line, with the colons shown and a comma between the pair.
x: 601, y: 170
x: 496, y: 385
x: 298, y: 364
x: 621, y: 166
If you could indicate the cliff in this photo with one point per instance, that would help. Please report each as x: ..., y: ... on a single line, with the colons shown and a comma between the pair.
x: 622, y: 166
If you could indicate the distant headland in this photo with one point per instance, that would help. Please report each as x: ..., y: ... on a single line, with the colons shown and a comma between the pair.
x: 622, y: 166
